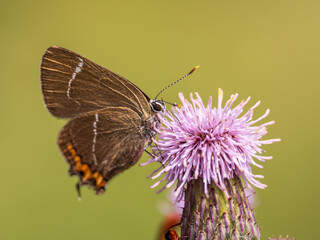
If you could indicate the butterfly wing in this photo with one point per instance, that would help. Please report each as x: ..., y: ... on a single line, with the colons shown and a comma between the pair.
x: 98, y: 145
x: 72, y: 84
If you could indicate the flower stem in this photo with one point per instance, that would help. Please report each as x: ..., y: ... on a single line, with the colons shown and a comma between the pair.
x: 221, y: 215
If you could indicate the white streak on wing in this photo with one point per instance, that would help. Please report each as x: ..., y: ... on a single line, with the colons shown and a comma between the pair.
x: 95, y: 159
x: 115, y: 166
x: 95, y: 139
x: 74, y: 74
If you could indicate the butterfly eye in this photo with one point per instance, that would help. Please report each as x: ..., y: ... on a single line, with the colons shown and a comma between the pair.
x: 156, y: 106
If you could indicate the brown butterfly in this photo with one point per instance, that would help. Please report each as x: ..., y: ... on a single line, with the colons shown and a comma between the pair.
x: 111, y: 119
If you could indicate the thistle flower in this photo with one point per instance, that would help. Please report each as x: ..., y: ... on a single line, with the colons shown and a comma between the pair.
x: 212, y: 144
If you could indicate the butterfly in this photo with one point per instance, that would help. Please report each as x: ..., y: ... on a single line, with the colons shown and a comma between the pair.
x: 111, y: 121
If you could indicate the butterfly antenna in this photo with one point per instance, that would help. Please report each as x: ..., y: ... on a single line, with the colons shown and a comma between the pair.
x: 195, y: 68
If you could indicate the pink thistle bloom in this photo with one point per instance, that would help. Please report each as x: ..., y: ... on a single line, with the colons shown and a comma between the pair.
x: 197, y: 141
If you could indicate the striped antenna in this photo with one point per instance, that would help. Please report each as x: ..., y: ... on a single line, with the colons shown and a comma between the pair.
x: 195, y: 68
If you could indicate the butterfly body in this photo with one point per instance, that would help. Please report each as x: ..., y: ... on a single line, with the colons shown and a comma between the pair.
x: 111, y: 119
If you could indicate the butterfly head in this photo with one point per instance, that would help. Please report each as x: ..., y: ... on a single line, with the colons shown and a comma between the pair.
x: 157, y: 106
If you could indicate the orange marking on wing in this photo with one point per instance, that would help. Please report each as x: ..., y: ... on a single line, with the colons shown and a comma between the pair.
x: 73, y: 152
x: 95, y: 175
x: 70, y: 146
x: 78, y: 166
x: 84, y: 167
x: 102, y: 184
x: 99, y: 179
x: 77, y: 159
x: 87, y: 173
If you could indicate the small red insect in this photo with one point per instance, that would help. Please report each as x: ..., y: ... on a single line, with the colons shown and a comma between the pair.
x: 167, y: 230
x: 171, y: 234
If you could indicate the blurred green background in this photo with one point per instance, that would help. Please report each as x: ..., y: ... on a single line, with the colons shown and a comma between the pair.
x: 268, y: 50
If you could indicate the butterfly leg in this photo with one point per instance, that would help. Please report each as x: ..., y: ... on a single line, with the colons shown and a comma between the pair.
x: 173, y: 104
x: 78, y: 190
x: 154, y: 156
x: 151, y: 154
x: 148, y: 144
x: 145, y: 149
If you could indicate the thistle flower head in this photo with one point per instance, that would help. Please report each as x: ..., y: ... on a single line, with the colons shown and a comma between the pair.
x: 211, y: 143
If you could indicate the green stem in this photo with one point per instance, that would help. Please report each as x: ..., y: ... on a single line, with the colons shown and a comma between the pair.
x: 219, y: 216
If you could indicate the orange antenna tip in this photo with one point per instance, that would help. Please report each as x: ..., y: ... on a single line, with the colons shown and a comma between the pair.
x: 195, y: 68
